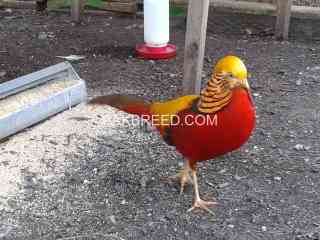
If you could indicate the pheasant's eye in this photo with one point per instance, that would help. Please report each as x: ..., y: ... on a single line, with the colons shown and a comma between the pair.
x: 228, y: 76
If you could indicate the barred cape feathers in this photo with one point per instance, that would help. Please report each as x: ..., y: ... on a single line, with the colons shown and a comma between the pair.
x: 216, y: 95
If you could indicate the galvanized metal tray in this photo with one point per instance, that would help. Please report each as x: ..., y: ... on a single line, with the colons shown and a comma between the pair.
x: 32, y: 98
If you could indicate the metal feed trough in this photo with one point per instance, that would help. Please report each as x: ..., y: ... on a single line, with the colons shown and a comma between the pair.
x: 32, y: 98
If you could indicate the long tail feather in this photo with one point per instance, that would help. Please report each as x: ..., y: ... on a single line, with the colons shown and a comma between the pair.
x: 127, y: 103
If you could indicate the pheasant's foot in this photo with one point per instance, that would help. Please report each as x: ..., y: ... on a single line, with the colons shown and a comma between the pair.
x: 170, y: 178
x: 183, y: 176
x: 203, y: 205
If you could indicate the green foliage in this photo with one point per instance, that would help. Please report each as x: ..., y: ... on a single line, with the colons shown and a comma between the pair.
x: 56, y: 4
x: 94, y: 3
x: 176, y: 11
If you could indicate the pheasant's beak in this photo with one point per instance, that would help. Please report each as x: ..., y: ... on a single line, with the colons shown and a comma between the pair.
x: 245, y: 84
x: 236, y: 82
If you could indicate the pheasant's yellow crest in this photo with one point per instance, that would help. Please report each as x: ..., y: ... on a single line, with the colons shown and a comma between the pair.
x: 232, y: 65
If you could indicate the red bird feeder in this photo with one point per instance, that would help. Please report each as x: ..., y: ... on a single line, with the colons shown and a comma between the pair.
x: 156, y: 32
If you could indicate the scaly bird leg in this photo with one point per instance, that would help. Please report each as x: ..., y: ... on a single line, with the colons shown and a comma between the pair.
x: 183, y: 176
x: 199, y: 203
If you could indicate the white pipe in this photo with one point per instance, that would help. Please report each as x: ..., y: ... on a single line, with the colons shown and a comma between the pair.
x: 156, y: 22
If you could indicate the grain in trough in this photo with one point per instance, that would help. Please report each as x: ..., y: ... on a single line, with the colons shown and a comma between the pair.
x: 32, y: 98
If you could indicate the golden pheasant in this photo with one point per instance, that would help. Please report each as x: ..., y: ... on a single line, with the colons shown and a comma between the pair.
x: 201, y: 127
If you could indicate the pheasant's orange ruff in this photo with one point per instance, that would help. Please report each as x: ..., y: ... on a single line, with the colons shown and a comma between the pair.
x: 215, y: 96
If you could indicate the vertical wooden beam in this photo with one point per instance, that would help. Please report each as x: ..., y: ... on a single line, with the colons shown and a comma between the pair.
x: 195, y: 45
x: 283, y: 18
x: 77, y: 7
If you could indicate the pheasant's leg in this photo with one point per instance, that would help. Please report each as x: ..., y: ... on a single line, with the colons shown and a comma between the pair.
x: 199, y: 203
x: 183, y: 176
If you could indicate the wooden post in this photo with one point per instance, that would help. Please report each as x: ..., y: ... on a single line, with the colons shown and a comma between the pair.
x: 195, y: 45
x: 283, y: 18
x: 77, y: 7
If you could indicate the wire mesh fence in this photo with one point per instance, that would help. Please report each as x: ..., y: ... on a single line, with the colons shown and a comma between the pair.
x: 308, y: 3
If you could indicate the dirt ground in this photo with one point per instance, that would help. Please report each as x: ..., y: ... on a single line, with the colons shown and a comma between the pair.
x: 108, y: 186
